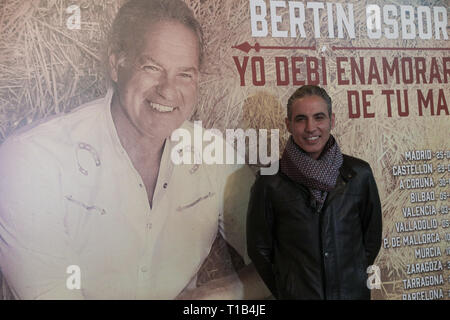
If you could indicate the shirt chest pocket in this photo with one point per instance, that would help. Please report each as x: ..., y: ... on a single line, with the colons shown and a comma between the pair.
x: 201, y: 199
x: 199, y: 210
x: 194, y: 196
x: 80, y: 219
x: 193, y: 222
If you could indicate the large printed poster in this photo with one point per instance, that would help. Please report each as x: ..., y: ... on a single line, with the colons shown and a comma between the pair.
x: 385, y: 64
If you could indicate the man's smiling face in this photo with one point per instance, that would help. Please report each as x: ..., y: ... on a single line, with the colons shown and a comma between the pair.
x: 310, y: 124
x: 157, y: 86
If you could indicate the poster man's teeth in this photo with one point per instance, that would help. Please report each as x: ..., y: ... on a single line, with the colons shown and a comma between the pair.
x: 162, y: 108
x: 312, y: 138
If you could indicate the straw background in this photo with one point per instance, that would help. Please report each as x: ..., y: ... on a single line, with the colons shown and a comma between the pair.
x: 46, y: 69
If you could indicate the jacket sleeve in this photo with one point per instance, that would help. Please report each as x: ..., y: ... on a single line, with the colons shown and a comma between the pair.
x: 259, y: 234
x: 372, y: 220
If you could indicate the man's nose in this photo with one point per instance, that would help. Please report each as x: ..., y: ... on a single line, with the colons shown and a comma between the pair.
x: 167, y: 87
x: 310, y: 126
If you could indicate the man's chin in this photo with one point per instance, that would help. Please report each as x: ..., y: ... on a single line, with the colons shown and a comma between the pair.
x: 159, y: 132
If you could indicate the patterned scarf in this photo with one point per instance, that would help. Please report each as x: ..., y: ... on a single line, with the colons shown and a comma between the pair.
x: 320, y: 175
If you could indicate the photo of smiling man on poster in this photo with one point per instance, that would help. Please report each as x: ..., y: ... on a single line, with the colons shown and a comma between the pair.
x: 94, y: 192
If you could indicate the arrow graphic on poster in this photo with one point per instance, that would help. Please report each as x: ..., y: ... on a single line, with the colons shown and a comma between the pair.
x: 334, y: 48
x: 246, y: 47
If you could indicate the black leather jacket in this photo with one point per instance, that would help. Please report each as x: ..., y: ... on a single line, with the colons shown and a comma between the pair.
x: 304, y: 253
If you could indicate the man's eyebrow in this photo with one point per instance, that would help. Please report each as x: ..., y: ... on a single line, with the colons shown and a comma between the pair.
x: 144, y: 59
x: 300, y: 115
x: 189, y: 69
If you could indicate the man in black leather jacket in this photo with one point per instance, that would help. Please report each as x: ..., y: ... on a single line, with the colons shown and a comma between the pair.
x: 314, y: 227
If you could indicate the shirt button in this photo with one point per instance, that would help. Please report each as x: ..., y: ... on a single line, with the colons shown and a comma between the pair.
x: 326, y: 254
x: 140, y: 185
x: 149, y: 226
x: 144, y: 269
x: 165, y: 185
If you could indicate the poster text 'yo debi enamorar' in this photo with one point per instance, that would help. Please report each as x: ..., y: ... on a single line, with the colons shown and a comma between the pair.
x: 397, y: 86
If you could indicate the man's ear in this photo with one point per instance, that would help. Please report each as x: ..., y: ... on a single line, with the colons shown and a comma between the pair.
x: 333, y: 121
x: 288, y: 125
x: 113, y: 66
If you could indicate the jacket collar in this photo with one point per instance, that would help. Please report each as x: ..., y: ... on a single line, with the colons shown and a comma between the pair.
x: 346, y: 172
